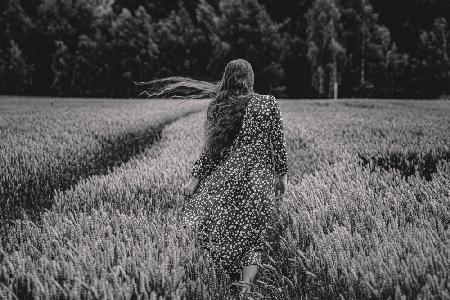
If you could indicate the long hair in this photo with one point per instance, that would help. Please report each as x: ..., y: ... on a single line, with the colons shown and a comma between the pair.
x: 225, y: 111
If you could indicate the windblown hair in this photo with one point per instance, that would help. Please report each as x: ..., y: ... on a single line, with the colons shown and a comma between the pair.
x: 177, y: 87
x: 225, y: 111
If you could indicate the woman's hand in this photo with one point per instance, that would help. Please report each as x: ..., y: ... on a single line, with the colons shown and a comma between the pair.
x: 189, y: 188
x: 281, y: 186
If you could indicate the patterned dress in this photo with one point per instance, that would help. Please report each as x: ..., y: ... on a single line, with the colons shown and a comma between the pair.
x: 236, y: 195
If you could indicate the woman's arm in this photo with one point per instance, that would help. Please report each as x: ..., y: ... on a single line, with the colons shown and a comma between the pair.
x: 203, y: 166
x: 278, y: 139
x: 200, y: 170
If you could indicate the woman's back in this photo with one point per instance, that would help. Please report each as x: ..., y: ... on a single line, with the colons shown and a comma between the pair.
x: 236, y: 197
x: 233, y: 181
x: 263, y: 124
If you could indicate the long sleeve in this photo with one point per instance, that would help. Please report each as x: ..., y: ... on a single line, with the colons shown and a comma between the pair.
x: 278, y: 139
x: 203, y: 166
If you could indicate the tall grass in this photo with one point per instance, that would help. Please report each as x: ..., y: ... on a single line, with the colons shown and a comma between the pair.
x: 349, y: 226
x: 127, y: 220
x: 357, y: 229
x: 49, y: 144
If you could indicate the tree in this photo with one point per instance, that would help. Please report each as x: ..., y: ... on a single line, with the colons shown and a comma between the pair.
x: 16, y: 71
x: 325, y: 53
x: 247, y: 31
x: 367, y: 43
x: 16, y: 75
x: 183, y: 47
x: 105, y: 63
x: 396, y: 67
x: 430, y: 64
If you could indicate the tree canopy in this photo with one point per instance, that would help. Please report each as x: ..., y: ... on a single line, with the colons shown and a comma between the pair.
x: 298, y: 48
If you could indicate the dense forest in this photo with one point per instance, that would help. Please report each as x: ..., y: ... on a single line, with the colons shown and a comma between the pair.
x: 298, y: 48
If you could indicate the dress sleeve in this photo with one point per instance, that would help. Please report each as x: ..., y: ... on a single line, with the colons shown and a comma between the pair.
x: 203, y: 166
x: 278, y: 139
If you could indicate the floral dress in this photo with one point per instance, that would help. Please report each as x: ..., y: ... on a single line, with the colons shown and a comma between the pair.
x: 235, y: 198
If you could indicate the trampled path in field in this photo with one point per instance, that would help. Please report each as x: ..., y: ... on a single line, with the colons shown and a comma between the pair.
x: 150, y: 181
x: 125, y: 148
x: 50, y: 144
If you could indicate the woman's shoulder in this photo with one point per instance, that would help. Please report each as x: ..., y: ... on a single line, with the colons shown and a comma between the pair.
x: 264, y: 98
x: 263, y: 101
x: 261, y: 104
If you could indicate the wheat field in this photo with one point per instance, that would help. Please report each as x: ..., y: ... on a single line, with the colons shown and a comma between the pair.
x: 94, y: 207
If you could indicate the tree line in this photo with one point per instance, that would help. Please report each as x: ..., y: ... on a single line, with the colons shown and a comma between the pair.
x: 298, y: 48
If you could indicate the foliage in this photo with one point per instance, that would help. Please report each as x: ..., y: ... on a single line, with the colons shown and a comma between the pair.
x: 249, y: 33
x: 105, y: 62
x: 325, y: 52
x: 97, y: 48
x: 432, y: 61
x: 16, y: 75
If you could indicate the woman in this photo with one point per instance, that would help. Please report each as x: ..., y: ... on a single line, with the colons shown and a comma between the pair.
x: 234, y: 182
